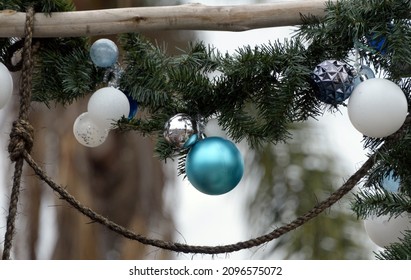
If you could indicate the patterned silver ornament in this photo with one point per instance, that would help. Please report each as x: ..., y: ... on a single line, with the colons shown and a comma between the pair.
x: 333, y: 81
x: 179, y: 129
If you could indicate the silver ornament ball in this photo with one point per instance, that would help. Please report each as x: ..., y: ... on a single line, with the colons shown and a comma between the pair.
x: 179, y: 129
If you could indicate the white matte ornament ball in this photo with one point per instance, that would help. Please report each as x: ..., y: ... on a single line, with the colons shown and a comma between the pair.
x: 104, y: 53
x: 6, y: 85
x: 108, y: 105
x: 383, y: 231
x: 377, y: 107
x: 87, y: 132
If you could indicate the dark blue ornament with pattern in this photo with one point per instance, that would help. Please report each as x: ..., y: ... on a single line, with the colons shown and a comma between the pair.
x: 332, y: 81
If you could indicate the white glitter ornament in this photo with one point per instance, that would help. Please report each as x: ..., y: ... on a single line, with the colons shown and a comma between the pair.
x: 377, y: 107
x: 383, y: 231
x: 6, y: 85
x: 108, y: 105
x: 87, y: 132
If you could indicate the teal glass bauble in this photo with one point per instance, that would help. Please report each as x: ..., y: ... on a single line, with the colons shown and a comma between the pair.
x: 214, y: 166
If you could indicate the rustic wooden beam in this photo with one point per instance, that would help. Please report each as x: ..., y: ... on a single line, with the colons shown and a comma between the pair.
x: 180, y: 17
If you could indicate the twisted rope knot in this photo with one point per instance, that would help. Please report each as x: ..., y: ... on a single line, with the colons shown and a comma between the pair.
x: 21, y: 139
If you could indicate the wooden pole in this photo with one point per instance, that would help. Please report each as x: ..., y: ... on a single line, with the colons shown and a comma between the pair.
x: 181, y: 17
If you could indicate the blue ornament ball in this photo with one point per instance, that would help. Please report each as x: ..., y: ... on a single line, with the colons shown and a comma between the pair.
x: 133, y: 107
x: 390, y: 183
x: 191, y: 141
x: 214, y: 166
x: 364, y: 71
x: 104, y: 53
x: 377, y: 42
x: 333, y: 81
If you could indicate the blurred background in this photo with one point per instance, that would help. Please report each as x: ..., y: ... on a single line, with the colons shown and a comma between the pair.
x: 124, y: 182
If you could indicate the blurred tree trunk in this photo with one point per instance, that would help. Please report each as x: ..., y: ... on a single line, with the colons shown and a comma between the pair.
x: 121, y: 179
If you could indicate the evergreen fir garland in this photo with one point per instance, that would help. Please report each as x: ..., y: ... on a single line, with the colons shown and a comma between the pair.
x: 255, y: 94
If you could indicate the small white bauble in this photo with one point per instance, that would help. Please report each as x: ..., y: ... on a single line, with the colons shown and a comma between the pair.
x: 383, y: 231
x: 107, y: 105
x: 88, y: 132
x: 377, y: 107
x: 6, y: 85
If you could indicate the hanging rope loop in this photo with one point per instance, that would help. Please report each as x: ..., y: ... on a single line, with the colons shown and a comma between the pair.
x: 21, y: 135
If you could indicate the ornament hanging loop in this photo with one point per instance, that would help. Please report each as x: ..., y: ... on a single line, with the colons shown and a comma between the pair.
x: 357, y: 64
x: 201, y: 123
x: 113, y: 75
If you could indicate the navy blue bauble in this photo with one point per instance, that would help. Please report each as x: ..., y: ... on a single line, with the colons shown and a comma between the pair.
x: 333, y: 81
x: 214, y: 166
x: 378, y: 42
x: 133, y: 107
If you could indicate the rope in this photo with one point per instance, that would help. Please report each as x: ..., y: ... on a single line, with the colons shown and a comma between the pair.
x: 184, y: 248
x: 21, y: 136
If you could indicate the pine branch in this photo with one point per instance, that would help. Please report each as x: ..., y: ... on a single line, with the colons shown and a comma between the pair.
x: 397, y: 251
x: 392, y: 159
x: 43, y: 6
x: 380, y: 202
x: 64, y: 72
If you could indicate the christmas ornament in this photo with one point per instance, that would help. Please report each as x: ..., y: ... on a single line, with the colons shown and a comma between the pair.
x: 108, y: 105
x: 384, y: 230
x: 133, y: 107
x: 378, y: 42
x: 214, y: 166
x: 191, y: 141
x: 104, y: 53
x: 332, y: 81
x: 6, y: 85
x: 363, y: 73
x: 179, y: 129
x: 88, y: 132
x: 377, y: 107
x: 390, y: 184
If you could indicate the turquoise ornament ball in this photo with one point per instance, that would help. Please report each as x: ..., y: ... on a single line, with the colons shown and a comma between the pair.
x: 214, y: 166
x: 104, y: 53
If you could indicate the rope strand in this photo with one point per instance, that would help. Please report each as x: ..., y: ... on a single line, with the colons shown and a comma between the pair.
x: 21, y: 136
x: 184, y: 248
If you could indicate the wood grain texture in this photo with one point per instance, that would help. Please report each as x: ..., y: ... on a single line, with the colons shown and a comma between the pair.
x: 181, y: 17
